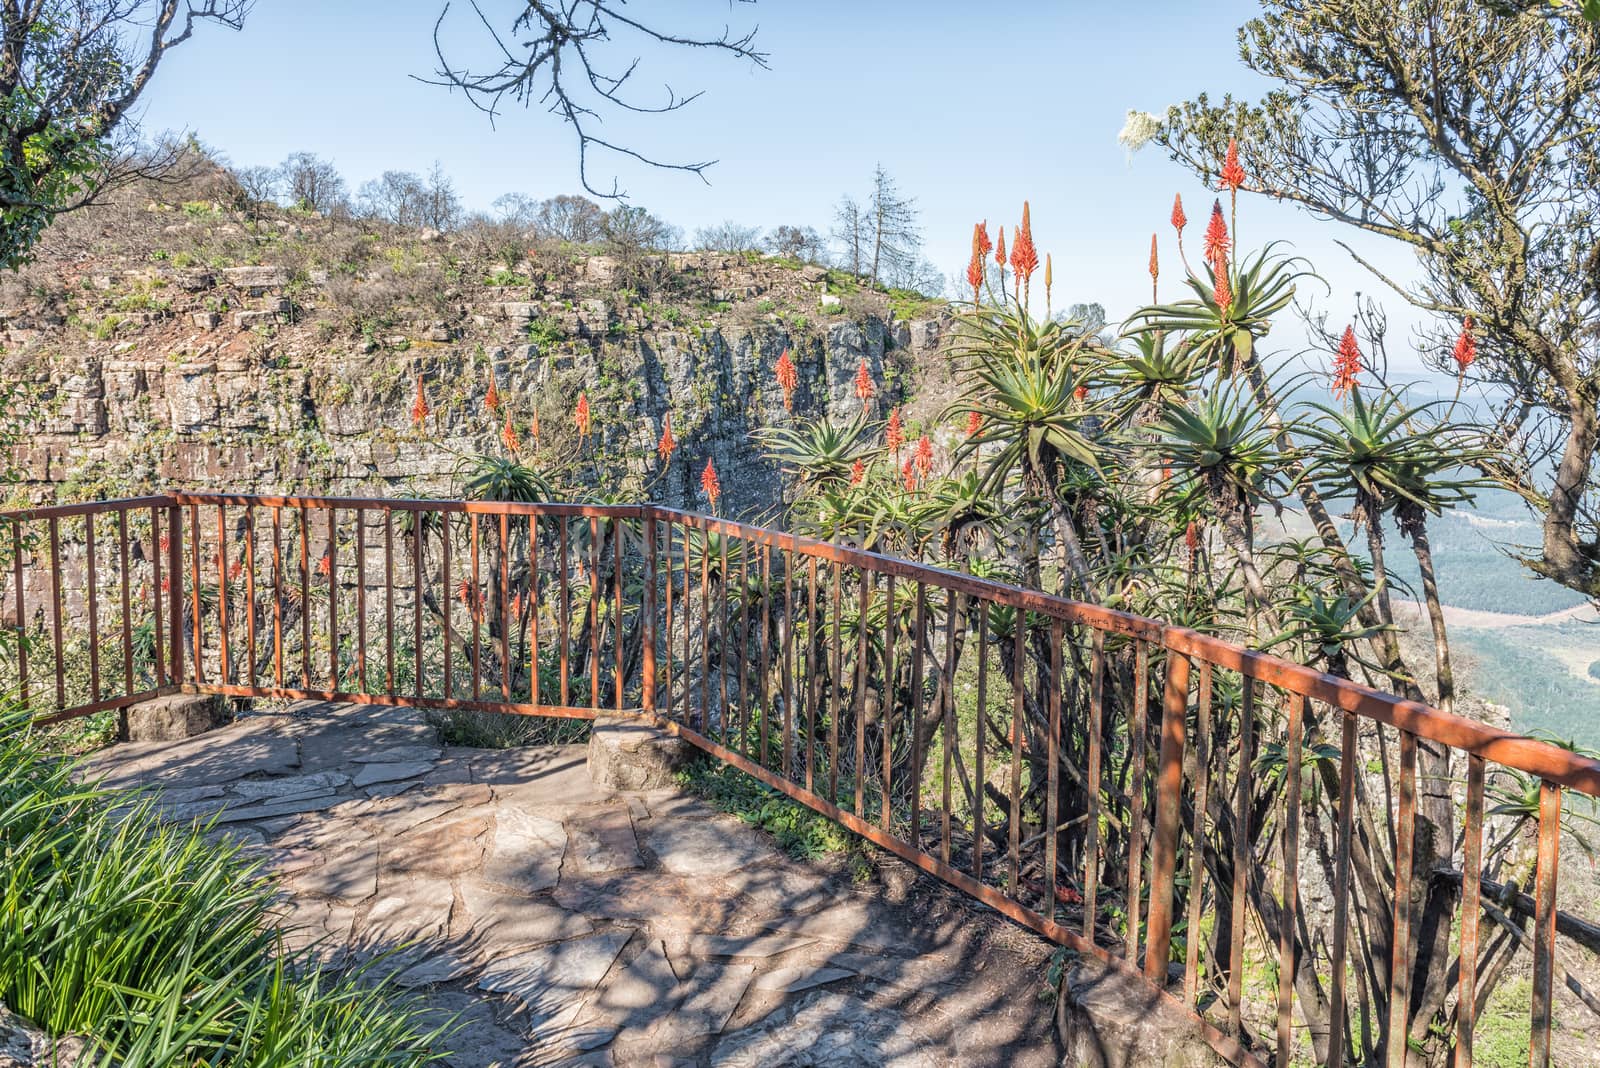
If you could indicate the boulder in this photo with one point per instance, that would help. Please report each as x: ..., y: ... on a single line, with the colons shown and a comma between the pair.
x: 173, y: 717
x: 256, y: 278
x: 23, y: 1045
x: 1109, y: 1018
x: 625, y: 754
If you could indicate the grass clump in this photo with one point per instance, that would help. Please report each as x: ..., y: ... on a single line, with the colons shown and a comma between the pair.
x: 157, y: 945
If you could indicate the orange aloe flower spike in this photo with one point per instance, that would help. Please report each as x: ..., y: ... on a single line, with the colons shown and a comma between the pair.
x: 1232, y: 173
x: 419, y: 406
x: 1466, y: 349
x: 1347, y: 364
x: 710, y: 485
x: 581, y: 416
x: 665, y: 447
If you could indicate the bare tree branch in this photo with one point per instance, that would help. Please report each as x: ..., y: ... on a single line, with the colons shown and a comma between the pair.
x: 555, y: 54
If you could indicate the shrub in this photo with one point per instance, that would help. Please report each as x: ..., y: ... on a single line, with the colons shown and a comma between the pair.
x: 157, y: 944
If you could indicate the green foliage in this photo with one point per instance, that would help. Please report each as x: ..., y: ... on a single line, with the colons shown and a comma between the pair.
x: 157, y: 943
x: 801, y: 832
x: 504, y: 276
x: 545, y: 332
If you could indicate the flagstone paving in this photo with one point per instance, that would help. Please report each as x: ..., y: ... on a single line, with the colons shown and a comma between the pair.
x: 563, y: 924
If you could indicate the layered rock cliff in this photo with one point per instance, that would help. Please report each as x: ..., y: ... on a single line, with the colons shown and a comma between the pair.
x: 281, y: 356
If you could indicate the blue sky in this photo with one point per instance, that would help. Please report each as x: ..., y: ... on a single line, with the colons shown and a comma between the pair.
x: 971, y: 115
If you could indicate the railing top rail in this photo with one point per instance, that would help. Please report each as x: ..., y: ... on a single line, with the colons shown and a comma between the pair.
x: 61, y: 511
x: 1516, y: 751
x: 1530, y: 755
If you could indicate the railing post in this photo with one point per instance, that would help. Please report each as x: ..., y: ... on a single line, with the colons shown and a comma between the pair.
x: 175, y: 592
x: 647, y: 698
x: 1169, y: 801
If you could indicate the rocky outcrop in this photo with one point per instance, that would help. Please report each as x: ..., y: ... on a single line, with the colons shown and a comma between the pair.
x: 255, y: 378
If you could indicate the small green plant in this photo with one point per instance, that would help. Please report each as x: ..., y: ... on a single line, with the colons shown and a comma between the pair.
x: 545, y: 332
x: 802, y: 833
x: 504, y: 277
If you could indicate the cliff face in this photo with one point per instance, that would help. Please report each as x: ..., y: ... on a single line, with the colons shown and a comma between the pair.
x: 296, y: 372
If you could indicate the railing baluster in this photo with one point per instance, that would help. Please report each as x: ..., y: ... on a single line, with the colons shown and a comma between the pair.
x: 1544, y: 923
x: 1091, y: 849
x: 1400, y: 962
x: 947, y: 687
x: 250, y: 594
x: 156, y: 596
x: 305, y: 599
x: 742, y: 733
x: 1471, y: 910
x: 1169, y: 804
x: 1052, y: 772
x: 1197, y: 830
x: 175, y: 591
x: 765, y: 758
x: 505, y: 608
x: 447, y: 606
x: 1019, y: 659
x: 980, y: 831
x: 92, y: 606
x: 688, y: 628
x: 1291, y: 877
x: 533, y: 609
x: 1138, y: 741
x: 475, y: 608
x: 127, y: 602
x: 594, y: 613
x: 388, y: 601
x: 1241, y: 856
x: 811, y: 681
x: 55, y: 611
x: 705, y: 633
x: 616, y: 589
x: 863, y: 603
x: 361, y: 599
x: 417, y: 519
x: 891, y: 627
x: 22, y: 608
x: 789, y: 689
x: 670, y: 583
x: 1348, y: 755
x: 836, y: 670
x: 647, y: 628
x: 919, y: 642
x: 277, y: 597
x: 222, y: 593
x: 333, y: 599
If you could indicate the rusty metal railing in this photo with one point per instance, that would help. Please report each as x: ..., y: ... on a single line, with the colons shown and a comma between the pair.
x: 1133, y: 791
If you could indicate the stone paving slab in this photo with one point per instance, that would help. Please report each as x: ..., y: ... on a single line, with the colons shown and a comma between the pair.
x: 569, y: 925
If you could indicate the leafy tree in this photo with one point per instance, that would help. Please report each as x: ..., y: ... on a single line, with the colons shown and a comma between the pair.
x: 70, y: 72
x: 1472, y: 135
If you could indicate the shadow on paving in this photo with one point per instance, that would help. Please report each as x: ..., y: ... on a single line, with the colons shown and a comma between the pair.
x: 568, y: 925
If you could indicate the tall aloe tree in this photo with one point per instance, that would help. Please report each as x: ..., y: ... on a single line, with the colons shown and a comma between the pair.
x: 1398, y: 460
x: 1029, y: 392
